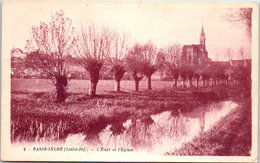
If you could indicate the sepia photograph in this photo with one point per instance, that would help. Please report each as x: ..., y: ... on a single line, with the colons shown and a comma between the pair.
x: 166, y: 81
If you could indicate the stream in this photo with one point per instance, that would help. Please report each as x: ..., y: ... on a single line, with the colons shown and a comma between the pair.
x: 158, y: 133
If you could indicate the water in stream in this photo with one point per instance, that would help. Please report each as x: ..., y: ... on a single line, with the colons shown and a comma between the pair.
x: 159, y: 133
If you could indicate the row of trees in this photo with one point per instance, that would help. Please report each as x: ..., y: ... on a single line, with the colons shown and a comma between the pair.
x: 211, y: 75
x: 90, y: 47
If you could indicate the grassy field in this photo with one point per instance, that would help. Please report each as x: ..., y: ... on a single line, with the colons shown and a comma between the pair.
x: 34, y: 117
x: 82, y: 86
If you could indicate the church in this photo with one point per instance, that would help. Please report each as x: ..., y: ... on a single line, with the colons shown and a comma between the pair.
x: 196, y: 54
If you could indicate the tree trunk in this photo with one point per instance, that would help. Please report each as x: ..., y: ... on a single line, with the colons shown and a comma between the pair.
x: 183, y: 83
x: 61, y: 83
x: 94, y: 78
x: 175, y: 83
x: 60, y: 93
x: 197, y: 83
x: 191, y: 85
x: 136, y: 85
x: 119, y: 72
x: 117, y: 86
x: 137, y: 80
x: 149, y: 82
x: 93, y: 88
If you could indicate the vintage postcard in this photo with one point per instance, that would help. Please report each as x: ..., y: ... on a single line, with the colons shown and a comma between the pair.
x: 166, y: 81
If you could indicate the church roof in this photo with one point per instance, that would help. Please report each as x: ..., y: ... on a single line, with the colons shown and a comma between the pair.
x: 202, y: 31
x: 194, y: 46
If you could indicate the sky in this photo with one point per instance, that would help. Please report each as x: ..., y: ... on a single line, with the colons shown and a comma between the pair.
x: 163, y: 22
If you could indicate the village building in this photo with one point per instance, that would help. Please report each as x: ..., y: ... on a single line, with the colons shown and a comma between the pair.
x: 196, y: 54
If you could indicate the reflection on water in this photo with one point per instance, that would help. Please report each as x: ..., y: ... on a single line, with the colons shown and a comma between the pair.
x: 163, y: 132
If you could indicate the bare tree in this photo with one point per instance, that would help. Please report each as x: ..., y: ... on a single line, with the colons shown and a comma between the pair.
x: 172, y: 53
x: 175, y: 71
x: 242, y: 15
x: 190, y: 75
x: 184, y: 75
x: 161, y: 63
x: 91, y: 46
x: 205, y: 75
x: 116, y: 58
x: 149, y: 53
x: 47, y: 50
x: 134, y: 63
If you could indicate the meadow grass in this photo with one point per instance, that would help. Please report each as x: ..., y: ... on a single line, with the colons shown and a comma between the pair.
x: 82, y: 86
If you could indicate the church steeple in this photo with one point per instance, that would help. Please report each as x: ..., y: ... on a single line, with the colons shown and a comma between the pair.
x: 202, y: 37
